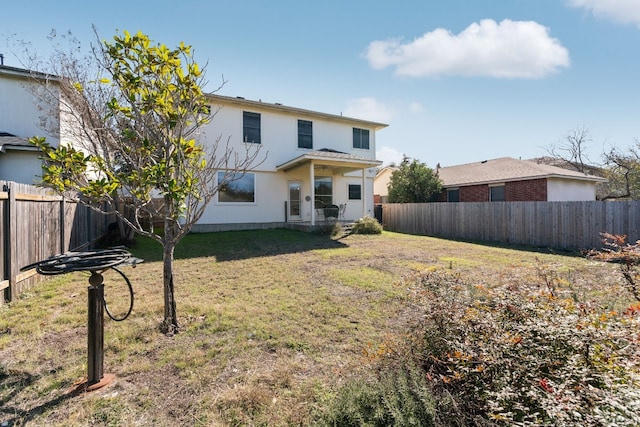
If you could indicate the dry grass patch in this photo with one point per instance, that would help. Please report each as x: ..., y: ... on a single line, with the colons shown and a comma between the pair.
x: 273, y: 322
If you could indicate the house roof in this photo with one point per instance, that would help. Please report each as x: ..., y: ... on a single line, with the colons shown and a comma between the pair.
x: 9, y: 141
x: 328, y: 157
x: 240, y: 101
x: 506, y: 169
x: 24, y: 73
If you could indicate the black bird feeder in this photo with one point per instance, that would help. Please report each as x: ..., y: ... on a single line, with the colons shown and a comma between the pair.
x: 96, y: 262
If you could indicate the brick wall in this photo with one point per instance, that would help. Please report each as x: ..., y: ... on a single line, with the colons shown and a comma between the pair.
x: 474, y: 193
x: 534, y: 190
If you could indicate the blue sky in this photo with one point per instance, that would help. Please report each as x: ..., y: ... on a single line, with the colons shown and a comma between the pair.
x: 457, y: 81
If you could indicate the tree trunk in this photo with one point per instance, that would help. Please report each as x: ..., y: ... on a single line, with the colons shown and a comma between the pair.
x: 170, y: 324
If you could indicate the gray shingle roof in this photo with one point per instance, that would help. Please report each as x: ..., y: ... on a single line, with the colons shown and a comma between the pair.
x: 505, y: 169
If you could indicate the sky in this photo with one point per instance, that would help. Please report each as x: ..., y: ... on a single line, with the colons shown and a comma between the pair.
x: 457, y: 81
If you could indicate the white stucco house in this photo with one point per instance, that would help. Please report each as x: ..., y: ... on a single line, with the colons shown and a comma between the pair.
x: 315, y: 162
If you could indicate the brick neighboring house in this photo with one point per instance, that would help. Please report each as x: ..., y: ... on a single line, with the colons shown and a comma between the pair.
x: 511, y: 180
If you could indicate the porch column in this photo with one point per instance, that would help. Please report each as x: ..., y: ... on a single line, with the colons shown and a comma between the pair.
x: 312, y: 178
x: 363, y: 192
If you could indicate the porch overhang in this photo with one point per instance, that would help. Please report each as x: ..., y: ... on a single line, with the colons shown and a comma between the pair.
x: 338, y: 162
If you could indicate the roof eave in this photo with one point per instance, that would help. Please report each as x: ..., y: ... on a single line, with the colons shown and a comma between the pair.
x: 528, y: 178
x: 293, y: 110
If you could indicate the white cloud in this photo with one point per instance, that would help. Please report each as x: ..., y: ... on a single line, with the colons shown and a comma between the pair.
x: 624, y: 11
x: 369, y: 109
x: 389, y: 155
x: 513, y: 49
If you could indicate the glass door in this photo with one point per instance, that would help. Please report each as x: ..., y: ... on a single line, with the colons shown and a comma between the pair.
x: 295, y: 200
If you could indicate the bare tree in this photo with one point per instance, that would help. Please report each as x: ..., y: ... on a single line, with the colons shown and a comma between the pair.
x: 572, y: 151
x: 132, y: 116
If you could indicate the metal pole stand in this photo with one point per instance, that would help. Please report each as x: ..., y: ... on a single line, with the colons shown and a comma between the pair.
x: 96, y: 378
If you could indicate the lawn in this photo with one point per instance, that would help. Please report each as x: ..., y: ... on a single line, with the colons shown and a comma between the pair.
x: 273, y: 323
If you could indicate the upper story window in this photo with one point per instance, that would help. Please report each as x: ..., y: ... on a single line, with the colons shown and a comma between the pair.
x: 251, y: 127
x: 305, y: 134
x: 360, y: 138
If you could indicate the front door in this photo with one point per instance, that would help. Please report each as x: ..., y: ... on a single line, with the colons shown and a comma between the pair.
x: 295, y: 202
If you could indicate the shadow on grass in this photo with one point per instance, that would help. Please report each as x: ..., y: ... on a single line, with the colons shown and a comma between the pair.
x: 234, y: 245
x: 14, y: 382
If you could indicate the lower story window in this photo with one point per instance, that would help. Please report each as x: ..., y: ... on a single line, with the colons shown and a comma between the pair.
x: 324, y: 191
x: 236, y: 188
x: 453, y: 195
x: 355, y: 192
x: 497, y: 193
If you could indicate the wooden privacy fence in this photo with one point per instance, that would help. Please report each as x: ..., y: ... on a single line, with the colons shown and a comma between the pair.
x: 35, y: 225
x: 569, y: 225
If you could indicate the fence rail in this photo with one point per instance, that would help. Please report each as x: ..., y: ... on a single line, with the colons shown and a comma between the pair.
x: 35, y: 225
x: 570, y: 225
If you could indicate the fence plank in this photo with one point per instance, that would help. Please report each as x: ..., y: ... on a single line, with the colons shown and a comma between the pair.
x: 569, y: 225
x: 34, y: 225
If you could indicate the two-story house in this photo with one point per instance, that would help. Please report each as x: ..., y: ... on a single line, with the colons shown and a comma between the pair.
x: 313, y: 161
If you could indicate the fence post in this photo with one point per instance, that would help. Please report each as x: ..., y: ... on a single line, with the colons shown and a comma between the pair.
x: 62, y: 220
x: 11, y: 243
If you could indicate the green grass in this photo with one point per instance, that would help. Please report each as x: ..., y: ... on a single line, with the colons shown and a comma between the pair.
x: 273, y: 321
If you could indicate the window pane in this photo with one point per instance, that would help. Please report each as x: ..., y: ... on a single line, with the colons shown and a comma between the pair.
x: 324, y: 191
x: 237, y: 190
x: 497, y: 194
x: 365, y: 139
x: 251, y: 127
x: 453, y: 195
x: 355, y: 192
x: 360, y: 138
x: 305, y: 134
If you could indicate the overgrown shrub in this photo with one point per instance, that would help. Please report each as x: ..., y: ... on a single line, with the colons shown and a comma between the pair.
x: 513, y: 355
x: 399, y: 397
x: 367, y: 225
x: 520, y: 356
x: 627, y: 255
x: 332, y: 229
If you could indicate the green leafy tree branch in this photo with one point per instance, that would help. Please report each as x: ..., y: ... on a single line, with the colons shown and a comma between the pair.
x: 134, y: 121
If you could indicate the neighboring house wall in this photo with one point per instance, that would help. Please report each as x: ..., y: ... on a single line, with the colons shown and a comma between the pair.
x: 22, y: 115
x: 532, y: 190
x: 20, y: 166
x: 474, y: 193
x: 562, y: 190
x: 19, y: 112
x: 381, y: 184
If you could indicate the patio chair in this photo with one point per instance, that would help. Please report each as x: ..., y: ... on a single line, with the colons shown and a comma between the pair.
x: 331, y: 212
x: 341, y: 209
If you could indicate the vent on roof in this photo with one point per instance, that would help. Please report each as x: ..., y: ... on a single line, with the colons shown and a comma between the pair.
x: 331, y: 150
x: 484, y: 161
